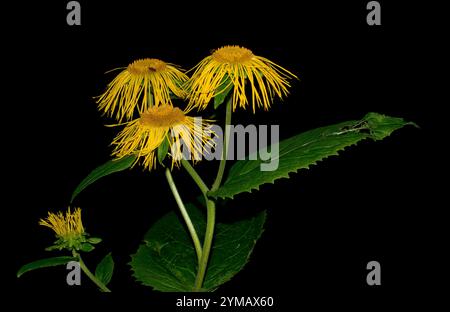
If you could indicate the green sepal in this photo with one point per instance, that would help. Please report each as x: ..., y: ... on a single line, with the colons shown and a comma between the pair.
x: 94, y: 240
x: 86, y: 247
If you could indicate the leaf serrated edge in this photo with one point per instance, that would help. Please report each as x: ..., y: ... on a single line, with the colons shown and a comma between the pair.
x: 247, y: 259
x: 139, y: 280
x: 295, y: 171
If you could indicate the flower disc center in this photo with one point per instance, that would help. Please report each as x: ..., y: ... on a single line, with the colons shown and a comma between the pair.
x: 146, y: 66
x: 162, y: 116
x: 232, y: 54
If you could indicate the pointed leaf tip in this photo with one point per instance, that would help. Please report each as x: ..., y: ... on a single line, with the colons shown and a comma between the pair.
x: 305, y: 149
x: 107, y: 168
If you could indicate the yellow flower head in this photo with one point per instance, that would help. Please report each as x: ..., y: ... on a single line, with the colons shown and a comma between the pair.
x: 144, y: 135
x: 142, y: 84
x: 234, y: 66
x: 67, y: 227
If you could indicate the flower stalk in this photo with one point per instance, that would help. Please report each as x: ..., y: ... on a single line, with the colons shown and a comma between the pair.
x: 89, y: 274
x: 211, y: 205
x: 185, y: 215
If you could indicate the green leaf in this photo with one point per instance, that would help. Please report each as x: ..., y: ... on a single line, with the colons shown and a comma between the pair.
x: 105, y: 269
x: 94, y: 240
x: 54, y: 247
x: 44, y: 263
x: 108, y: 168
x: 223, y: 90
x: 306, y: 149
x: 381, y: 126
x: 86, y: 247
x: 163, y: 149
x: 167, y: 260
x: 233, y: 245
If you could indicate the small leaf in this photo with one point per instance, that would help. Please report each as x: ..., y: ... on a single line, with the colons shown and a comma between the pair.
x: 306, y: 149
x: 167, y: 260
x: 105, y: 269
x: 94, y: 240
x: 223, y: 90
x: 44, y: 263
x: 163, y: 149
x: 108, y: 168
x: 86, y: 247
x: 382, y: 126
x: 54, y: 247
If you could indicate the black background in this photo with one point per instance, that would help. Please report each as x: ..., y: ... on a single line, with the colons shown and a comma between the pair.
x: 373, y: 202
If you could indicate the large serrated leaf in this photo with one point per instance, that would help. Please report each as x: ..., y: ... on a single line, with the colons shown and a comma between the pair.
x: 233, y: 245
x: 167, y: 260
x: 107, y: 168
x: 44, y: 263
x: 306, y: 149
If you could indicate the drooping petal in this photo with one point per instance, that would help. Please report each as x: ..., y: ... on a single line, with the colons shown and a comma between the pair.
x: 144, y: 83
x: 142, y: 137
x: 264, y: 78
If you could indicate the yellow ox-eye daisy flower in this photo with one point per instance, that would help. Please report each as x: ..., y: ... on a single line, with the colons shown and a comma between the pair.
x: 234, y: 66
x: 142, y: 137
x: 144, y: 83
x: 66, y: 226
x: 69, y: 231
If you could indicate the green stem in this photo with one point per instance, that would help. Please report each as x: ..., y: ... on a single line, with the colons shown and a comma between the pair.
x: 223, y: 161
x: 209, y: 233
x: 184, y: 213
x: 211, y: 205
x: 194, y: 175
x: 89, y: 274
